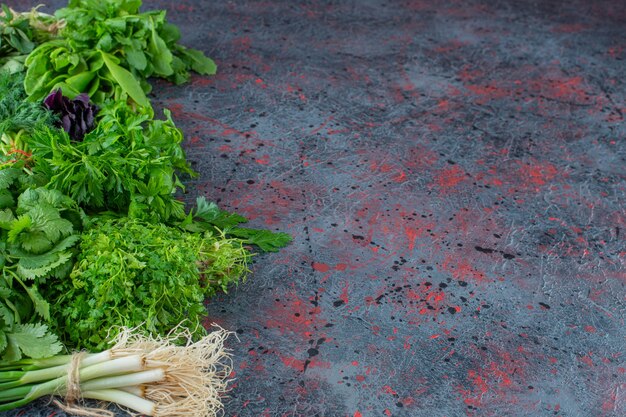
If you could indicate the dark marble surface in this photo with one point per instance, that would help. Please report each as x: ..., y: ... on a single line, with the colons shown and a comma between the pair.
x: 453, y: 175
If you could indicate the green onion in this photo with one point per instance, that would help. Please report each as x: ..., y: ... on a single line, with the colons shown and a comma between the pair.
x: 155, y: 377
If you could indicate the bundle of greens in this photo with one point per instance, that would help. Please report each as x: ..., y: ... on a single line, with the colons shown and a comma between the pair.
x: 20, y: 33
x: 134, y: 273
x: 38, y: 232
x: 170, y: 376
x: 128, y: 164
x: 54, y: 65
x: 108, y: 50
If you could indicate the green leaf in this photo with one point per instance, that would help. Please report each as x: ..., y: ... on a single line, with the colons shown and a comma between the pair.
x: 105, y: 43
x: 197, y: 60
x: 161, y: 54
x: 211, y: 213
x: 18, y: 226
x: 26, y: 267
x: 3, y: 340
x: 266, y: 240
x: 136, y: 58
x: 36, y: 197
x: 34, y: 340
x: 8, y: 177
x: 36, y: 242
x: 48, y: 220
x: 6, y: 219
x: 65, y: 244
x: 6, y: 315
x: 8, y: 16
x: 41, y: 306
x: 80, y: 81
x: 126, y: 80
x: 169, y: 33
x: 116, y: 24
x: 6, y: 199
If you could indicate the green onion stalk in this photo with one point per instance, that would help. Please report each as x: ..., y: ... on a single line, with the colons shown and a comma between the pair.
x: 152, y: 376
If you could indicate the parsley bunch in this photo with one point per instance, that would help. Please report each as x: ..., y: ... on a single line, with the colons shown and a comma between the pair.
x: 132, y: 273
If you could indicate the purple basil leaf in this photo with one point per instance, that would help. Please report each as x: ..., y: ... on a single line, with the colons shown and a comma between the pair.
x: 76, y: 116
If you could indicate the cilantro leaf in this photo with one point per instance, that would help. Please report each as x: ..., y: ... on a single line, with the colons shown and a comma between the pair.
x: 34, y: 340
x: 39, y: 266
x: 41, y: 306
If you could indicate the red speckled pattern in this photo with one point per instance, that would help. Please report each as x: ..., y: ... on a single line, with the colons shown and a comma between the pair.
x: 453, y: 175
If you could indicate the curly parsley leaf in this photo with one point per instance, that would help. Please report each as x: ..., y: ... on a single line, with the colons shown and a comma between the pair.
x: 145, y: 273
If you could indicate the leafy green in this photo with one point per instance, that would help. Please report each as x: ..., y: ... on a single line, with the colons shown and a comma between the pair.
x: 20, y: 33
x: 15, y: 34
x: 33, y: 340
x: 130, y: 273
x: 38, y: 232
x: 128, y: 164
x: 109, y: 50
x: 208, y: 216
x: 126, y: 80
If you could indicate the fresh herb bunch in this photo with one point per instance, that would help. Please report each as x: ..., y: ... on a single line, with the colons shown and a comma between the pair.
x: 18, y: 118
x: 54, y: 65
x: 20, y: 33
x: 38, y: 232
x: 128, y: 164
x: 145, y: 40
x: 134, y: 273
x: 109, y: 50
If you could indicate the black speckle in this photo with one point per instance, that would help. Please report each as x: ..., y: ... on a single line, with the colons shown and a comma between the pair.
x: 451, y: 310
x: 544, y: 305
x: 338, y: 303
x: 312, y: 352
x: 483, y: 250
